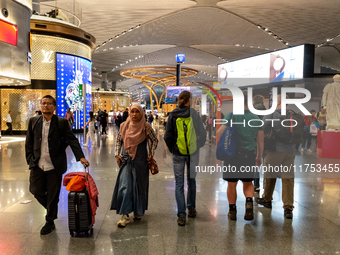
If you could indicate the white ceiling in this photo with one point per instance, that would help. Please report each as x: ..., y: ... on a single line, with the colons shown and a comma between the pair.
x: 209, y: 32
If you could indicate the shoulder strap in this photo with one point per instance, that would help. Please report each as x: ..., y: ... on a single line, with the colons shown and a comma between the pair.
x: 147, y: 141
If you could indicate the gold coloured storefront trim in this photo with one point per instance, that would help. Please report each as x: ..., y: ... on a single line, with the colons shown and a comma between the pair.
x: 22, y: 103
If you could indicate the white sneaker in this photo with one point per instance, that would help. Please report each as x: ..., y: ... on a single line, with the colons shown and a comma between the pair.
x: 85, y: 145
x: 309, y: 151
x: 123, y: 221
x: 302, y: 149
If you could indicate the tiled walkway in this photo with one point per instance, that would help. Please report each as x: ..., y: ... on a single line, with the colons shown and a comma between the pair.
x: 315, y: 228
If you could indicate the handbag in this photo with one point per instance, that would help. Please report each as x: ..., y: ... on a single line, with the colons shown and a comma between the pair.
x: 226, y: 146
x: 152, y: 163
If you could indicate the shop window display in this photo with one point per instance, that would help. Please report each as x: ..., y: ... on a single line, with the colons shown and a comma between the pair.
x: 22, y: 103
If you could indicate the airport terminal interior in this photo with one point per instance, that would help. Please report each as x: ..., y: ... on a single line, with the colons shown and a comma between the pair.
x: 109, y: 57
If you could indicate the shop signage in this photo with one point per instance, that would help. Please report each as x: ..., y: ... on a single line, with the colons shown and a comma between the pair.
x: 80, y: 90
x: 47, y: 56
x: 8, y: 33
x: 180, y: 58
x: 29, y: 57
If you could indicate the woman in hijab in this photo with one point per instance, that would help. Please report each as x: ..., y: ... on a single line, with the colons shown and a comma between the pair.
x: 132, y: 185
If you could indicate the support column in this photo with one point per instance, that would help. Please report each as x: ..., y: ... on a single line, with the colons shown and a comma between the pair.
x: 178, y: 75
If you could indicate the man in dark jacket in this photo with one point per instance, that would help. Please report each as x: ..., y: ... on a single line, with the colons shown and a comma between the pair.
x: 125, y: 114
x: 46, y: 140
x: 185, y: 124
x: 104, y: 119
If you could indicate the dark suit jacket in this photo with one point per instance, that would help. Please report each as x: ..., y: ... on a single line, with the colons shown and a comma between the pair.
x: 59, y: 136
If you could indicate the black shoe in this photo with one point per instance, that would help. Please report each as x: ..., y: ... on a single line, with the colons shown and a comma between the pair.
x: 192, y: 212
x: 288, y: 214
x: 232, y: 215
x: 249, y: 215
x: 181, y: 220
x: 136, y: 217
x: 261, y: 201
x: 48, y: 228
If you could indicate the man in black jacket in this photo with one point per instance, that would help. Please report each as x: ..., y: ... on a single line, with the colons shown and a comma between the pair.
x: 46, y: 140
x: 184, y: 136
x: 125, y: 114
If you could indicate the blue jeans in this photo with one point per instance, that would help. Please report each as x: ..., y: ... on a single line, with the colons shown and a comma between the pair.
x: 179, y: 164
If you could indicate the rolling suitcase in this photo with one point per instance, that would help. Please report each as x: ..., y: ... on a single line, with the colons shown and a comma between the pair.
x: 79, y: 211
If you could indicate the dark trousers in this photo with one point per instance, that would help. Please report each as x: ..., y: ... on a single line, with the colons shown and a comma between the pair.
x: 45, y: 186
x: 104, y: 128
x: 9, y: 130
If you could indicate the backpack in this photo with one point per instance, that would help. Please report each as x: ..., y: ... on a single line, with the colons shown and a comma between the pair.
x: 269, y: 138
x: 226, y: 146
x: 313, y: 130
x: 291, y: 135
x: 186, y: 136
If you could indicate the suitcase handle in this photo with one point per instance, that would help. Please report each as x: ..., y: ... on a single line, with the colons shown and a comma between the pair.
x: 86, y: 172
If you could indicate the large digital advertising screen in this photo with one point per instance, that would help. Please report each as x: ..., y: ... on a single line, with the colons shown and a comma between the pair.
x: 174, y: 91
x: 73, y: 76
x: 278, y: 66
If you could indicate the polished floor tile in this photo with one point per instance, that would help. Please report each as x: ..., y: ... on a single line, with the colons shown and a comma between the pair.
x: 314, y: 229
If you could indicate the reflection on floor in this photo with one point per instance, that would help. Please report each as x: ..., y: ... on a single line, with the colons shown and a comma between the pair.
x: 314, y: 229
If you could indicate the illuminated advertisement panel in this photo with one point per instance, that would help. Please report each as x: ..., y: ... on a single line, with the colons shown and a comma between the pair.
x: 174, y: 91
x: 73, y: 76
x: 282, y: 65
x: 8, y: 33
